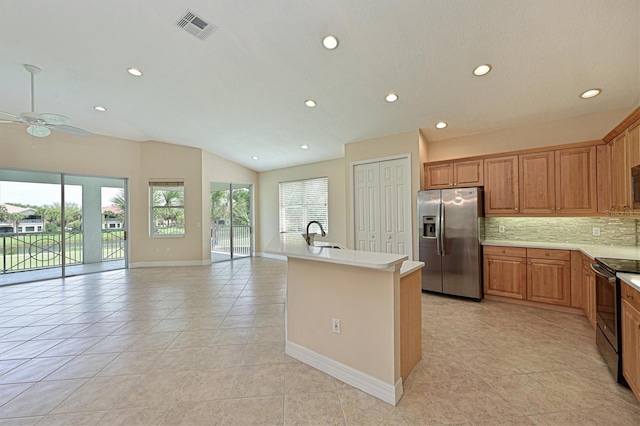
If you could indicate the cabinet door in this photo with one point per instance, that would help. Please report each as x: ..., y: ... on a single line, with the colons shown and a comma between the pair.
x: 537, y: 183
x: 576, y: 186
x: 468, y: 173
x: 548, y: 281
x: 588, y: 295
x: 505, y: 276
x: 631, y: 346
x: 438, y: 176
x: 620, y: 173
x: 501, y: 186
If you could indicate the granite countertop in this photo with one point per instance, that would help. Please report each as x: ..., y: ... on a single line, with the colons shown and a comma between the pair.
x: 294, y: 245
x: 591, y: 250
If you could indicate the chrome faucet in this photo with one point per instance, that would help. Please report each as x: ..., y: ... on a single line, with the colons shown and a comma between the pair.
x: 321, y: 231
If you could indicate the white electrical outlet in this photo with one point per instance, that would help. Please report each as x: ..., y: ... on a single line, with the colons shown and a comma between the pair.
x: 336, y: 325
x: 168, y: 250
x: 596, y: 231
x: 501, y: 229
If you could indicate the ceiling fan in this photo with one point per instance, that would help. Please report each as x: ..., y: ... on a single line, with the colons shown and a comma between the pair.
x: 40, y: 125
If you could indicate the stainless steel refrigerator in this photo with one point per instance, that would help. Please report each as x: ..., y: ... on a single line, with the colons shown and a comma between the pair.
x: 449, y: 235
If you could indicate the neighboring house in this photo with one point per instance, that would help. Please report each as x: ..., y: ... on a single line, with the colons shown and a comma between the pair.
x: 110, y: 218
x: 31, y: 221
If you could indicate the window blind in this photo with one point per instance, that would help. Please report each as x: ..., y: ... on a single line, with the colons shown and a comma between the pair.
x: 302, y: 201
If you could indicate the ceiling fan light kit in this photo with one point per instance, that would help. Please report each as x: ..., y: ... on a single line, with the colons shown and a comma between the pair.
x: 40, y: 125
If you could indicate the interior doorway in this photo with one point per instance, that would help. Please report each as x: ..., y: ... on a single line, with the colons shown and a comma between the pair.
x: 231, y: 210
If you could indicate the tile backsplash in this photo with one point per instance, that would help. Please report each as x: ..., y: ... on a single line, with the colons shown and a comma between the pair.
x: 614, y: 231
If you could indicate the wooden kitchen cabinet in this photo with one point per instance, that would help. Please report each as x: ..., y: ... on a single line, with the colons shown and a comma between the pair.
x: 536, y: 275
x: 501, y: 192
x: 549, y: 276
x: 631, y: 337
x: 559, y: 182
x: 589, y: 291
x: 456, y: 174
x: 505, y: 272
x: 576, y: 181
x: 620, y: 173
x: 537, y: 183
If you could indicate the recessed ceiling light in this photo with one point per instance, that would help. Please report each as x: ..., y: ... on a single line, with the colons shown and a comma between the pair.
x: 135, y: 72
x: 255, y: 157
x: 99, y: 108
x: 391, y: 97
x: 330, y: 42
x: 441, y: 125
x: 304, y: 146
x: 310, y: 103
x: 482, y: 70
x: 591, y: 93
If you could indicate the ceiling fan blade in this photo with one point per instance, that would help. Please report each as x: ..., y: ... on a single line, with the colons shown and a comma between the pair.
x: 10, y: 115
x: 38, y: 131
x: 55, y: 119
x: 10, y: 121
x: 70, y: 130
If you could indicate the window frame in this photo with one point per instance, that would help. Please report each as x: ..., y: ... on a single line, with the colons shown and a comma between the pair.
x: 305, y: 219
x: 168, y: 185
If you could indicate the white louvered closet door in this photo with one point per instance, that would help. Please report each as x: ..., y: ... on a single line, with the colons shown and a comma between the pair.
x: 381, y: 207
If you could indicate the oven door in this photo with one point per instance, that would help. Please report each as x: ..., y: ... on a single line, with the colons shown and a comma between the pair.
x: 606, y: 306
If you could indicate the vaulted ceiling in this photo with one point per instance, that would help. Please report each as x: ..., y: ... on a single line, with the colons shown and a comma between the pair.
x: 240, y: 92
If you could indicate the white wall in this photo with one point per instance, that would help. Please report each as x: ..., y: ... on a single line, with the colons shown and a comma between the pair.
x: 575, y: 129
x: 268, y: 198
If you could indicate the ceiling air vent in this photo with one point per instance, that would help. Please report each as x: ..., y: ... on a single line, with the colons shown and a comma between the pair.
x: 196, y: 25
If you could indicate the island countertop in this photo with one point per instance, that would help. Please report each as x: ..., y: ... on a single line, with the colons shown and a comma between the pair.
x: 294, y: 245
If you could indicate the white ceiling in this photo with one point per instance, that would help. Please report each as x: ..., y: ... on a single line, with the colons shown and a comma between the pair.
x: 241, y: 92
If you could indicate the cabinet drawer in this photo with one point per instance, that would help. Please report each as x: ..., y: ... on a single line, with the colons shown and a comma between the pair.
x: 505, y: 251
x: 549, y: 254
x: 631, y: 295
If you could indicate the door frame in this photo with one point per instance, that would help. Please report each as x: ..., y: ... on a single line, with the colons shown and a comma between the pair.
x: 409, y: 196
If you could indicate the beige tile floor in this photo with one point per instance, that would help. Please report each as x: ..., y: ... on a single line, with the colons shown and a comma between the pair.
x: 205, y: 345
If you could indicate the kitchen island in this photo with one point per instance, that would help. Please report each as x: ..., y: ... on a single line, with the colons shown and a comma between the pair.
x: 352, y: 314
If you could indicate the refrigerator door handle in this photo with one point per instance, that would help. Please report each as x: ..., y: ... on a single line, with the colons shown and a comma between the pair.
x: 442, y: 251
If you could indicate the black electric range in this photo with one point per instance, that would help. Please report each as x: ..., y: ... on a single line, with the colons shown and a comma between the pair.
x: 608, y: 310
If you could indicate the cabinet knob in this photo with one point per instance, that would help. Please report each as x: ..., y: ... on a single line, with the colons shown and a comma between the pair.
x: 551, y: 208
x: 524, y: 263
x: 529, y: 263
x: 454, y: 184
x: 516, y: 209
x: 557, y: 208
x: 629, y: 295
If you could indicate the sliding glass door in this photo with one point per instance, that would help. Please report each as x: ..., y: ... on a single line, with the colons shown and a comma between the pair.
x: 231, y: 228
x: 56, y: 225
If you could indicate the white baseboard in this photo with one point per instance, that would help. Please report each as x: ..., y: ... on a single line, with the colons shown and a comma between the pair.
x: 386, y: 392
x: 169, y: 263
x: 271, y: 256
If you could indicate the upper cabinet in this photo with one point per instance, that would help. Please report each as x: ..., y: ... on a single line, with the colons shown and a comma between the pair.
x: 537, y: 183
x: 559, y: 182
x: 624, y: 143
x: 501, y: 186
x: 456, y: 174
x: 576, y: 181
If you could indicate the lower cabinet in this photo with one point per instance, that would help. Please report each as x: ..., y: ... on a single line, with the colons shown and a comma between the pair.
x: 631, y: 337
x: 589, y: 291
x: 537, y: 275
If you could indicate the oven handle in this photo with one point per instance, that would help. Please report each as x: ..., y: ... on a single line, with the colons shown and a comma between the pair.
x: 598, y: 270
